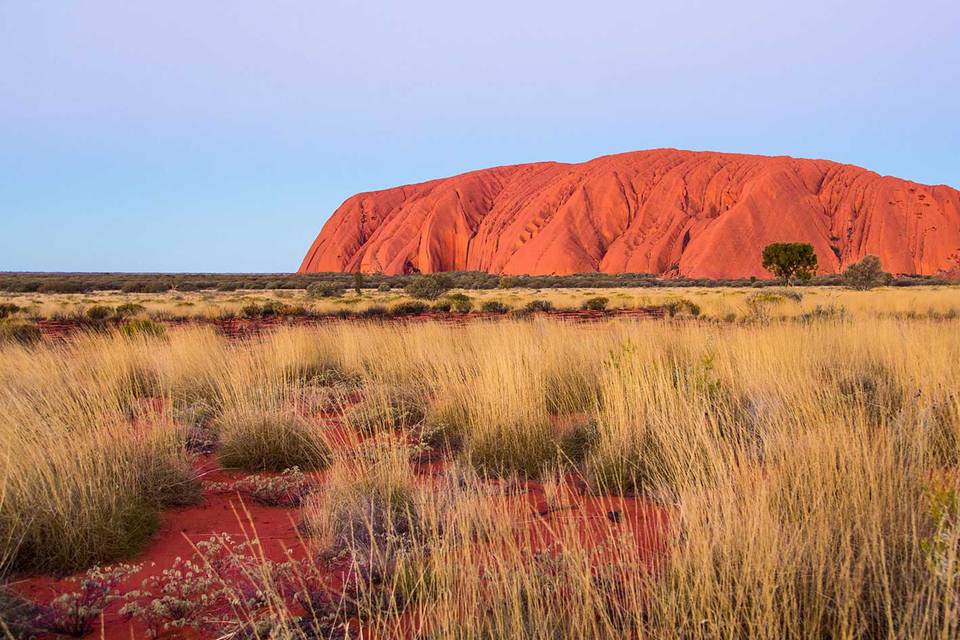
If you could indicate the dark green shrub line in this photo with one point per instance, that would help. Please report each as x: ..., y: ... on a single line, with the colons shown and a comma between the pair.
x: 429, y: 286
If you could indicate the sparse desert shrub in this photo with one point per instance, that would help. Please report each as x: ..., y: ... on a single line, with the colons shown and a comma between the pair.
x: 142, y: 327
x: 226, y: 585
x: 384, y: 287
x: 285, y: 490
x: 866, y: 274
x: 824, y: 313
x: 682, y: 307
x: 16, y: 331
x: 460, y: 302
x: 374, y: 312
x: 539, y: 306
x: 99, y: 312
x: 442, y: 306
x: 325, y: 290
x: 270, y: 440
x: 73, y: 613
x: 598, y: 303
x: 128, y: 309
x: 409, y: 308
x: 494, y: 306
x: 386, y: 407
x: 8, y: 309
x: 430, y: 286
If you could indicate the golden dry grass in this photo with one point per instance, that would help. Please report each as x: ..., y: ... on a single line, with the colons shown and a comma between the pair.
x: 808, y: 468
x: 715, y: 302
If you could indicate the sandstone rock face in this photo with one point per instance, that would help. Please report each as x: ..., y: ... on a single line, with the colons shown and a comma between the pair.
x: 668, y: 212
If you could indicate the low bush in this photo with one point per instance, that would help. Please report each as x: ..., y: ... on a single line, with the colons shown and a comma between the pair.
x: 682, y: 307
x: 325, y: 290
x: 443, y: 306
x: 866, y: 274
x: 494, y: 306
x: 285, y: 490
x: 595, y: 304
x: 536, y: 306
x: 74, y: 613
x: 99, y: 312
x: 430, y: 286
x: 410, y: 308
x: 460, y: 302
x: 128, y: 309
x: 142, y: 327
x: 8, y: 309
x: 373, y: 312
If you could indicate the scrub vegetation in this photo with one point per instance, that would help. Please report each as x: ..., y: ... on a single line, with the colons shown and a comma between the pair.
x: 791, y: 473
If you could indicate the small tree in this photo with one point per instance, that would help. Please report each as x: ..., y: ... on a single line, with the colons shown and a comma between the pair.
x: 866, y: 274
x: 789, y: 260
x: 358, y: 282
x: 430, y: 286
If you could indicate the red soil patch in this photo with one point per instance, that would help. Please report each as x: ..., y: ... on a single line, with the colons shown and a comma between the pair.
x: 596, y: 519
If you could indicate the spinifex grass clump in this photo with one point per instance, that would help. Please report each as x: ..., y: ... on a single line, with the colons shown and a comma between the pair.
x: 385, y: 407
x: 270, y: 440
x: 82, y: 482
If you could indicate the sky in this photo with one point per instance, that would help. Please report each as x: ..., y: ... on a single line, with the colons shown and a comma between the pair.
x: 218, y: 136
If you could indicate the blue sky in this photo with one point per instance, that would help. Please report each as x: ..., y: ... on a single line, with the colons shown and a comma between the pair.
x: 220, y: 135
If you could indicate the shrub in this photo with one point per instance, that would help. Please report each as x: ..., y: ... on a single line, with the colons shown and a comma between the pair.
x: 142, y: 327
x: 595, y: 304
x: 430, y: 286
x: 285, y: 490
x: 256, y: 440
x: 20, y: 332
x: 99, y: 312
x: 682, y: 307
x: 460, y: 302
x: 494, y: 306
x: 73, y: 613
x: 535, y: 306
x: 325, y: 290
x: 866, y: 274
x: 443, y: 306
x: 409, y: 308
x: 128, y: 309
x: 374, y: 311
x: 384, y: 287
x: 8, y: 309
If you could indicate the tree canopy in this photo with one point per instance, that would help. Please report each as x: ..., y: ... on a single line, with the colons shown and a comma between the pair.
x: 790, y: 260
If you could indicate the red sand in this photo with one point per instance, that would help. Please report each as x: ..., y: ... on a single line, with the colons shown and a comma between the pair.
x: 275, y: 527
x: 668, y: 212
